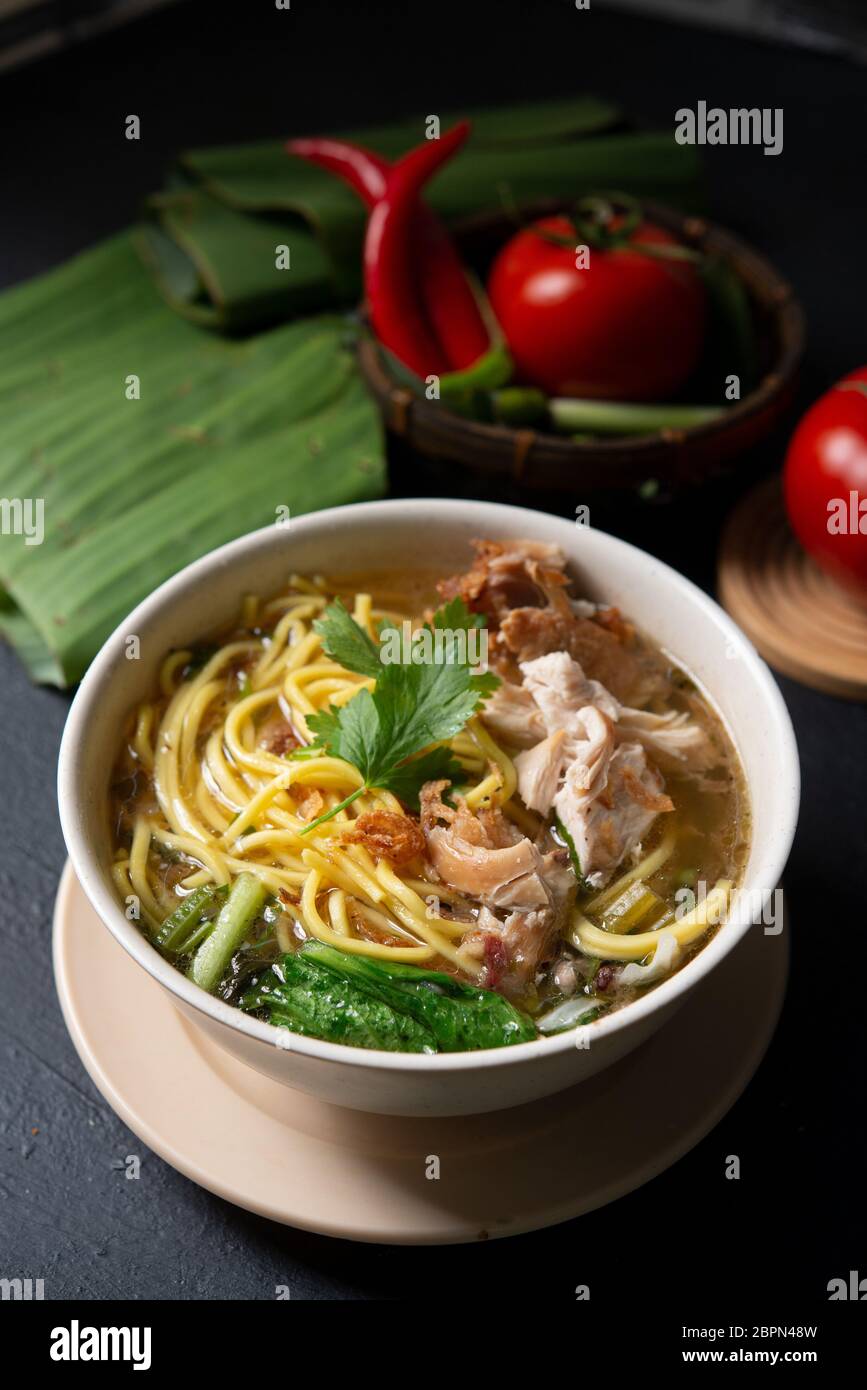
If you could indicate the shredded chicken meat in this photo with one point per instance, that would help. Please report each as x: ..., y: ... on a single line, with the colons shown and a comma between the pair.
x: 575, y: 686
x: 520, y: 586
x: 591, y: 770
x: 605, y: 824
x: 484, y: 855
x: 512, y: 714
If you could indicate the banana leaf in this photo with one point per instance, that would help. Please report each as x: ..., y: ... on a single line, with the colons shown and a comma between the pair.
x: 224, y: 433
x: 210, y: 238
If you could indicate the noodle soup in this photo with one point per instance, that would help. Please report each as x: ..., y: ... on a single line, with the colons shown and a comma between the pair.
x: 421, y: 855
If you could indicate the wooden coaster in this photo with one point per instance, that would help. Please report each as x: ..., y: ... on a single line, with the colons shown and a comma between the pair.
x: 802, y: 622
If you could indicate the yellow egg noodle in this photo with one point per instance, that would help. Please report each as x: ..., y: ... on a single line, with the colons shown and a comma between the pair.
x: 227, y: 805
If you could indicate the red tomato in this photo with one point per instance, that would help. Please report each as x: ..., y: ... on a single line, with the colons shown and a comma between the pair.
x: 825, y: 480
x: 627, y: 327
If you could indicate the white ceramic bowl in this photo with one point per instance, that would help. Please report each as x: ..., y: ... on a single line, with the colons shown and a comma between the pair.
x: 205, y: 596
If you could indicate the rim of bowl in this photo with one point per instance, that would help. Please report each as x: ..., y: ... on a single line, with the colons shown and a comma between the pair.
x: 85, y: 861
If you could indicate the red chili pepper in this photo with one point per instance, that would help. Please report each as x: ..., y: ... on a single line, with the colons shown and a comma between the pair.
x: 447, y: 293
x: 447, y: 297
x: 363, y: 170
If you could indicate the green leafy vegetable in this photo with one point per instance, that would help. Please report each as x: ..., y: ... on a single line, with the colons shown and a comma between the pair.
x: 330, y: 994
x: 196, y: 937
x: 461, y: 1017
x: 412, y: 707
x: 406, y: 781
x: 186, y: 917
x: 345, y: 641
x: 299, y: 995
x: 244, y: 904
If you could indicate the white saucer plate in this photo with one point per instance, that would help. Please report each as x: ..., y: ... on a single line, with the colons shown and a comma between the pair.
x: 299, y: 1161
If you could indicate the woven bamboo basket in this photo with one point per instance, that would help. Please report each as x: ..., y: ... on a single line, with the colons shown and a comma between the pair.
x: 674, y: 457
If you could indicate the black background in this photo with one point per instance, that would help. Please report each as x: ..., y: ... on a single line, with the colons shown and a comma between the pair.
x: 197, y: 75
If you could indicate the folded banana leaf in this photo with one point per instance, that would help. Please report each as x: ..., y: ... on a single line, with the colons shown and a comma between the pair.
x: 223, y: 434
x: 210, y: 237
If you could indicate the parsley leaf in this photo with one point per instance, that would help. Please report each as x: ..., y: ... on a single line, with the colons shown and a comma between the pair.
x: 407, y: 780
x: 455, y: 617
x: 413, y: 706
x: 346, y: 642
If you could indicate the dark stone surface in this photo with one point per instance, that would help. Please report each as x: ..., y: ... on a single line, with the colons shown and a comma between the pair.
x: 195, y: 77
